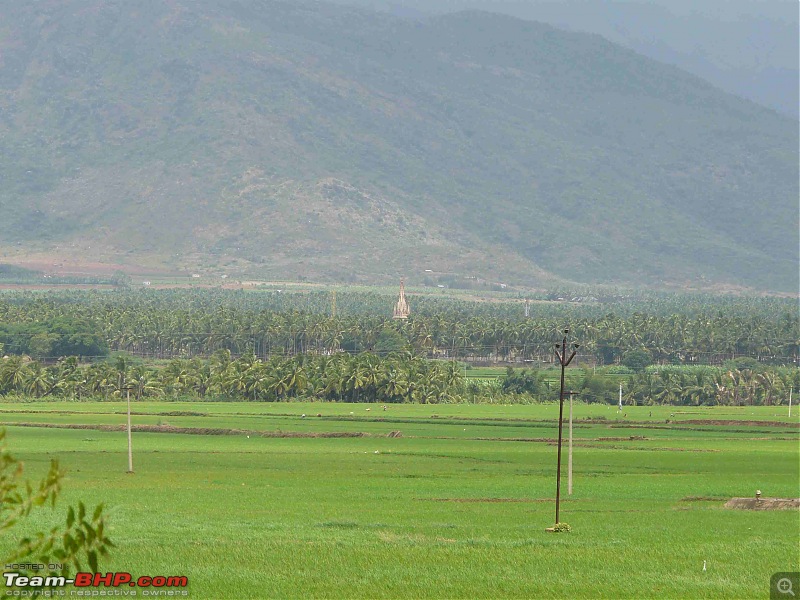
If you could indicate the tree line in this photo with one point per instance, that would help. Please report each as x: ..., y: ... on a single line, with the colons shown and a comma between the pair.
x: 184, y: 324
x: 341, y: 377
x: 367, y: 377
x: 712, y: 386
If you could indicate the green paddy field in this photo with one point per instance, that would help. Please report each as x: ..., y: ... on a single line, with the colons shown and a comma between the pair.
x: 254, y: 500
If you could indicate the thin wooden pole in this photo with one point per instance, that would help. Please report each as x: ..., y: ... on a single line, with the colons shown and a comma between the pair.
x: 130, y: 444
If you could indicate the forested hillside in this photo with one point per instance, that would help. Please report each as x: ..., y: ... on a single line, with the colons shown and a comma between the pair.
x: 294, y: 139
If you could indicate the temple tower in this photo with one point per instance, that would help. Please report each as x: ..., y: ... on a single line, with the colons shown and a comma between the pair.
x: 401, y: 309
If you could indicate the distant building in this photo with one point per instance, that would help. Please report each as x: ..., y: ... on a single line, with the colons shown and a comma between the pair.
x: 401, y: 309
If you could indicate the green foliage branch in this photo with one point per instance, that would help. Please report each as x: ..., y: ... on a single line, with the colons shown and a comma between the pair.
x: 80, y: 541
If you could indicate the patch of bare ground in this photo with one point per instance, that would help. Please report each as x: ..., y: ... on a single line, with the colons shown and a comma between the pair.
x: 543, y: 440
x: 46, y: 412
x: 59, y: 265
x: 637, y: 448
x: 172, y: 413
x: 763, y: 503
x: 586, y: 444
x: 703, y: 498
x: 737, y: 422
x: 678, y: 426
x: 505, y: 439
x: 55, y: 286
x: 489, y: 500
x: 197, y: 430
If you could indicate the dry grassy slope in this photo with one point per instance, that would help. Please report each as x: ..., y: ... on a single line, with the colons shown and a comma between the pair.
x: 273, y: 227
x: 285, y: 138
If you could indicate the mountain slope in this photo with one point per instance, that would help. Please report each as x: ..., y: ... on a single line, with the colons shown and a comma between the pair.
x: 293, y: 138
x: 745, y: 47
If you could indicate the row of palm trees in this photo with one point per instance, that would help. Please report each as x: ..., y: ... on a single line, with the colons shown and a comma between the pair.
x: 176, y: 325
x: 341, y: 377
x: 367, y: 377
x: 712, y: 386
x: 703, y: 338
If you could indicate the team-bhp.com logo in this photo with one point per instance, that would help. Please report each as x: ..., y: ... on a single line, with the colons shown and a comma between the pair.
x: 94, y: 585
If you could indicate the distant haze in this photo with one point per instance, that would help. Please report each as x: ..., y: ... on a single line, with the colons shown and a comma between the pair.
x: 307, y: 140
x: 746, y: 47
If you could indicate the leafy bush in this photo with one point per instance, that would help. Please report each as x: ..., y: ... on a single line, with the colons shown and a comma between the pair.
x: 637, y: 360
x: 597, y: 388
x: 522, y: 381
x: 742, y: 363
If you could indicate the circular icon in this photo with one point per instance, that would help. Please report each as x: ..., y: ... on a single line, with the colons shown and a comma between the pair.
x: 785, y: 586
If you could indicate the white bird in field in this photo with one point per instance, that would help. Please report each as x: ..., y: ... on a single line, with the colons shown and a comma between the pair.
x: 704, y: 565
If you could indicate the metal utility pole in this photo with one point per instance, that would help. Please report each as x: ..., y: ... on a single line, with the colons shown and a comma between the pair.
x: 561, y: 353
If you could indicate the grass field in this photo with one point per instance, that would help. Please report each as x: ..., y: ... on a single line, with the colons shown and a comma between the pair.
x: 455, y: 507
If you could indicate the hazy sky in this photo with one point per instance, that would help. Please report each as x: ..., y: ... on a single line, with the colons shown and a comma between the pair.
x: 747, y: 47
